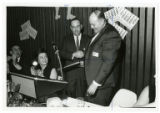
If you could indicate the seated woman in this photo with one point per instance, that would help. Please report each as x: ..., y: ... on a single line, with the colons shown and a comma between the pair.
x: 44, y: 68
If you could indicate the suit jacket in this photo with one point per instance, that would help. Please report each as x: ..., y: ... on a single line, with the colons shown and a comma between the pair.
x: 25, y: 67
x: 101, y: 57
x: 69, y: 47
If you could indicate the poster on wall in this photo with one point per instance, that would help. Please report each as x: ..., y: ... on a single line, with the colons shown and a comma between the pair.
x: 27, y: 31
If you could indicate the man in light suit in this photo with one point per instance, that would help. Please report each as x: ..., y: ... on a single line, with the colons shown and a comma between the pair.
x: 73, y: 49
x: 102, y: 60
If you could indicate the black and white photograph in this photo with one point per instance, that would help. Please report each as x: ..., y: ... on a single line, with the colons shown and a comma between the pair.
x: 73, y: 56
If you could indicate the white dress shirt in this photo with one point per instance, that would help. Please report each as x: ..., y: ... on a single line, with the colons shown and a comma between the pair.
x: 79, y: 38
x: 94, y: 38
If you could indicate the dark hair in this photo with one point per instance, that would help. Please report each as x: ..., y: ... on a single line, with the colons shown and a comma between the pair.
x: 100, y: 14
x: 41, y: 50
x: 13, y: 45
x: 11, y: 48
x: 36, y: 53
x: 82, y: 29
x: 74, y: 20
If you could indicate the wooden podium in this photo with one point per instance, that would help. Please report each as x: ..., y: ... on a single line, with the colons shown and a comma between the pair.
x: 36, y: 86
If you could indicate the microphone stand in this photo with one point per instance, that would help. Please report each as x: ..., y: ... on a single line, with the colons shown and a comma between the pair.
x: 59, y: 60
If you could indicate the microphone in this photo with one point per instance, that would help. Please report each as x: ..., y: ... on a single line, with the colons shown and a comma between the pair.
x: 54, y: 46
x: 53, y: 43
x: 58, y: 57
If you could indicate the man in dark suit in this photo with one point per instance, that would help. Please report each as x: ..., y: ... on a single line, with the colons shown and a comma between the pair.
x: 102, y: 60
x: 72, y: 51
x: 15, y: 62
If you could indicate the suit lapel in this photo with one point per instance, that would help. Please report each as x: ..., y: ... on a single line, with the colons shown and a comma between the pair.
x: 82, y: 42
x: 89, y: 48
x: 72, y: 42
x: 99, y: 36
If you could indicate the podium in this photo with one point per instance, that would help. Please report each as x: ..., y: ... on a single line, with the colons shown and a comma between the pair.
x: 36, y: 86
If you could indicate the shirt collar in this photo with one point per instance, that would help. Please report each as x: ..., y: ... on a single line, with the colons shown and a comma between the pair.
x: 94, y: 37
x: 78, y: 36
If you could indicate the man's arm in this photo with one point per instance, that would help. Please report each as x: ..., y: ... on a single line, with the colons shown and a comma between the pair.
x: 70, y: 55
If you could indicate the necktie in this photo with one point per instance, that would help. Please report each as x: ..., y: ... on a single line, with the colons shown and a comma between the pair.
x: 77, y: 43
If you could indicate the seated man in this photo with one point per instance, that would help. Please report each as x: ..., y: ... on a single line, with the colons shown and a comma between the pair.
x: 14, y: 62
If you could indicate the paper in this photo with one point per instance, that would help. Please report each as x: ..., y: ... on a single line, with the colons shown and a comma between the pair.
x: 112, y: 14
x: 24, y: 35
x: 27, y: 30
x: 32, y: 32
x: 121, y: 31
x: 25, y: 25
x: 127, y: 18
x: 122, y: 15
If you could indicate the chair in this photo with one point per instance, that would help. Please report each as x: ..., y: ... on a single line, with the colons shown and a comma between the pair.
x: 124, y: 98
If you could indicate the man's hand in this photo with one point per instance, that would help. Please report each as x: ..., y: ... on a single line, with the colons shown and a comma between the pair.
x: 92, y: 89
x: 82, y: 63
x: 78, y: 54
x: 60, y: 78
x: 17, y: 66
x: 14, y: 57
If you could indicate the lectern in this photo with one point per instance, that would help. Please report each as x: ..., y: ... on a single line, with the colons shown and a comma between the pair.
x: 36, y: 87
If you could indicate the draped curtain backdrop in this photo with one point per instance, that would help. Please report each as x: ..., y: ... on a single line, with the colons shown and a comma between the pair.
x: 139, y: 58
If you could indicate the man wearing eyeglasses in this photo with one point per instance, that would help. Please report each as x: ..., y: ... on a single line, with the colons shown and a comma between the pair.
x: 73, y: 50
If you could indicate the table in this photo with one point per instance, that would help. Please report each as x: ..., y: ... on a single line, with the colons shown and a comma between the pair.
x: 71, y: 102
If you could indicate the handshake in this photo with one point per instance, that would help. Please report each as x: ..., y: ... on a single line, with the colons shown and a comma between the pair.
x: 78, y: 54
